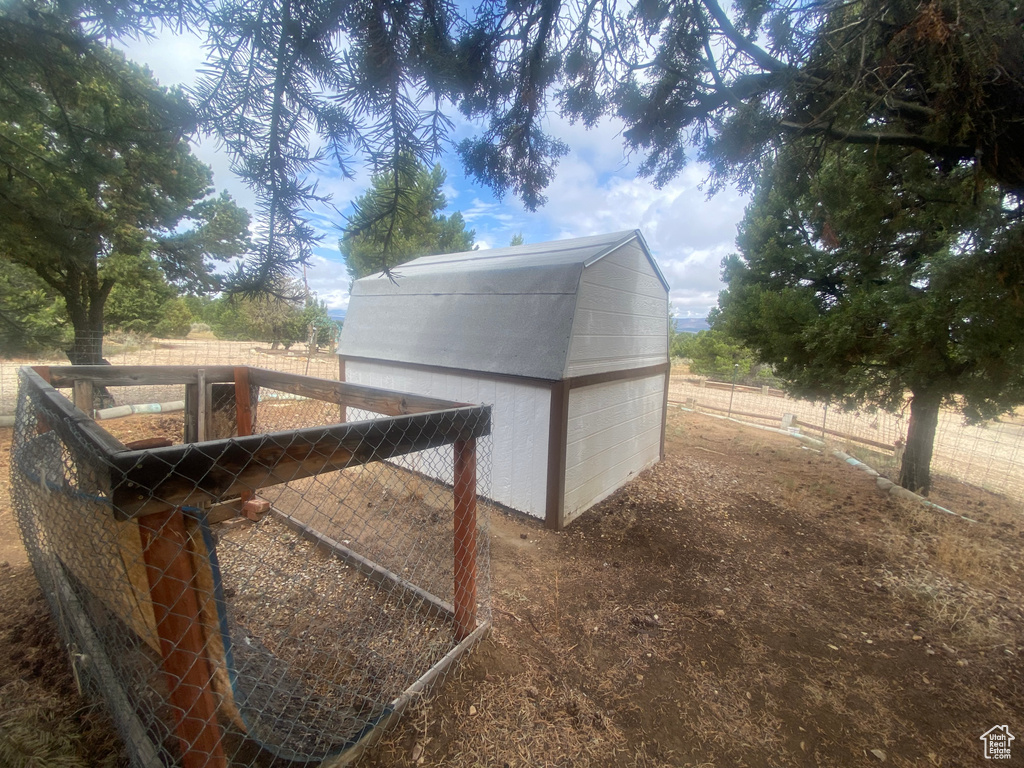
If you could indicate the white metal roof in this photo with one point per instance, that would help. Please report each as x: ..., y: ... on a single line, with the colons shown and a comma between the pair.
x: 504, y: 310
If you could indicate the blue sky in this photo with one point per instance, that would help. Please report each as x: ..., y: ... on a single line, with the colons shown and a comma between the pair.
x: 595, y: 190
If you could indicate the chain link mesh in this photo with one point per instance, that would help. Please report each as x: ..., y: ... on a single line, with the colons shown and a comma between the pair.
x: 275, y: 592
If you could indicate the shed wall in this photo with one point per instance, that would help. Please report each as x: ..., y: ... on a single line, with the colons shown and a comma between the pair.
x: 519, y: 418
x: 621, y: 317
x: 614, y: 432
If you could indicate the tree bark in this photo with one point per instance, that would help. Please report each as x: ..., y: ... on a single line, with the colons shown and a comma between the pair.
x: 915, y: 471
x: 86, y: 298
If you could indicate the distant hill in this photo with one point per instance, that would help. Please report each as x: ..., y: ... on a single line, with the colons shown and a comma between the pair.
x: 336, y: 314
x: 691, y: 324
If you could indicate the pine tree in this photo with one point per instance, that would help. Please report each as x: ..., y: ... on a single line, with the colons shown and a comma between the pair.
x: 878, y: 277
x: 96, y: 171
x: 398, y: 220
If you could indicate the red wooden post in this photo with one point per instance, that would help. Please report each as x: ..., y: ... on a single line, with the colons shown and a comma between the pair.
x: 465, y: 538
x: 172, y: 582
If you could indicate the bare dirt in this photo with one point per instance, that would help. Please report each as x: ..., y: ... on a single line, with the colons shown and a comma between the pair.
x: 747, y: 602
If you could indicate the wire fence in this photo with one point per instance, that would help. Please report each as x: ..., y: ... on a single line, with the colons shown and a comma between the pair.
x: 989, y: 455
x: 263, y: 579
x: 131, y: 350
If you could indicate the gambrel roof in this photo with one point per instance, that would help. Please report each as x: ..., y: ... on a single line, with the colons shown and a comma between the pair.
x: 503, y: 310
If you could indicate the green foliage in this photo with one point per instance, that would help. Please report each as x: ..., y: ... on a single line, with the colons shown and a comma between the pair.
x: 97, y: 176
x: 138, y: 295
x: 718, y: 356
x: 731, y: 81
x: 517, y: 239
x: 175, y: 319
x: 326, y: 330
x: 396, y: 222
x: 281, y: 318
x: 32, y: 318
x: 882, y: 274
x: 226, y: 318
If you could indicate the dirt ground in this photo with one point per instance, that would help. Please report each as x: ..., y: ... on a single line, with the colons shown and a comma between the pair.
x: 747, y: 602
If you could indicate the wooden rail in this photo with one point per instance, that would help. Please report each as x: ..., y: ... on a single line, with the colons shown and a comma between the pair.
x: 351, y: 395
x: 138, y: 375
x: 152, y: 485
x: 149, y: 481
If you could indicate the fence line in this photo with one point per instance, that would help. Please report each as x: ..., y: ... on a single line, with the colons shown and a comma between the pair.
x: 255, y: 583
x: 989, y: 455
x: 193, y: 352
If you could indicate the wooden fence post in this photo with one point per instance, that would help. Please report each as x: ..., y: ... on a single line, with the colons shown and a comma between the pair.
x: 172, y: 588
x: 465, y: 538
x: 243, y: 402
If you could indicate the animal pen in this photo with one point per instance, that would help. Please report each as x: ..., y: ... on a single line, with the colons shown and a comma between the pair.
x: 273, y: 585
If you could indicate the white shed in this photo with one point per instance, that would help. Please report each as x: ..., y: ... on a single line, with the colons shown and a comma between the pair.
x: 567, y: 341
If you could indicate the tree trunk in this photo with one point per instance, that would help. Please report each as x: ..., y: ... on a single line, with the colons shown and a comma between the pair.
x: 85, y: 308
x: 87, y: 348
x: 915, y: 471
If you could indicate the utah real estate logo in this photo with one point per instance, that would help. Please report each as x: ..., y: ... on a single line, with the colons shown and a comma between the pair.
x: 997, y: 742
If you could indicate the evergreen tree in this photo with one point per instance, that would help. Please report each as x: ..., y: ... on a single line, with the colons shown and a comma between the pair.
x: 879, y: 276
x: 96, y: 173
x: 32, y: 316
x: 289, y: 87
x: 383, y: 234
x: 138, y: 295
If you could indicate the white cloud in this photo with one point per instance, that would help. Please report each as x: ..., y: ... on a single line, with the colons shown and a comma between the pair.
x: 174, y: 58
x: 688, y: 233
x: 595, y: 190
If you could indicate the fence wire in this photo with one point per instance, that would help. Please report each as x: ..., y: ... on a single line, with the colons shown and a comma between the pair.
x: 128, y: 349
x: 988, y: 455
x: 260, y: 600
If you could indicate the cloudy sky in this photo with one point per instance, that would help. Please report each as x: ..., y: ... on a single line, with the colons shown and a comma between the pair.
x: 596, y: 190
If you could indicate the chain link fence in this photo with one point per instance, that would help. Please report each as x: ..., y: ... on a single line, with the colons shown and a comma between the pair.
x: 273, y: 584
x: 131, y: 350
x: 988, y: 455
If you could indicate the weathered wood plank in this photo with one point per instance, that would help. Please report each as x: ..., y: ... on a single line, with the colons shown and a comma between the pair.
x: 191, y: 413
x: 147, y: 481
x: 82, y: 393
x: 243, y: 402
x: 243, y: 410
x: 414, y: 692
x: 203, y: 410
x: 136, y: 375
x: 351, y: 395
x: 465, y: 538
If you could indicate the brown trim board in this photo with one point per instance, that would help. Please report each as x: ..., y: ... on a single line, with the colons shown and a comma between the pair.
x: 342, y: 409
x: 558, y: 432
x: 664, y: 412
x: 558, y: 421
x: 590, y: 379
x: 458, y: 371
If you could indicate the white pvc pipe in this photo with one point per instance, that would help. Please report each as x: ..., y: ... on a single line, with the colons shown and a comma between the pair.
x: 127, y: 410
